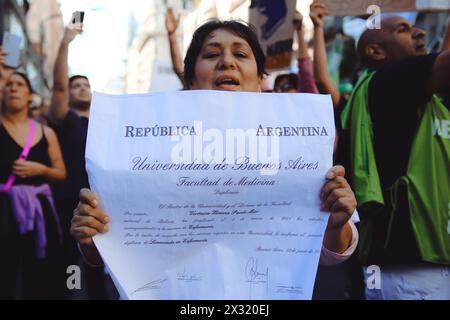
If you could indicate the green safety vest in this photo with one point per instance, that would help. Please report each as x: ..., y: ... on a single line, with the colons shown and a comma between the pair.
x: 427, y: 179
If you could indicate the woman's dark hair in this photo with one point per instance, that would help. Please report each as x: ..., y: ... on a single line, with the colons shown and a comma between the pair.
x: 27, y: 81
x: 241, y: 29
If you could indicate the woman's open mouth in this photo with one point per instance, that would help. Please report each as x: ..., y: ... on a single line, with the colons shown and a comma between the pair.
x: 226, y: 82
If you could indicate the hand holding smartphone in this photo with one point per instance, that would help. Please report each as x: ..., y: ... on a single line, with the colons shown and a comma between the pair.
x: 74, y: 27
x: 11, y: 46
x: 77, y: 17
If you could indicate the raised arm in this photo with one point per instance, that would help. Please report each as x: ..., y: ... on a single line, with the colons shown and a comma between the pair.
x: 306, y: 82
x: 175, y: 53
x: 323, y: 80
x: 88, y: 220
x: 446, y: 42
x: 298, y: 27
x: 440, y: 80
x: 59, y: 105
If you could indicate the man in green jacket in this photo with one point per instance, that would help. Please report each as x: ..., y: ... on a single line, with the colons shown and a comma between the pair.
x: 399, y: 133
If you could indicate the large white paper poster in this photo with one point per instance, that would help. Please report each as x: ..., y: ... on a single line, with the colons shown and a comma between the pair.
x: 211, y: 195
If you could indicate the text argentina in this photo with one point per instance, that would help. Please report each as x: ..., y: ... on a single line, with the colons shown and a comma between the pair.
x: 156, y: 131
x: 291, y: 131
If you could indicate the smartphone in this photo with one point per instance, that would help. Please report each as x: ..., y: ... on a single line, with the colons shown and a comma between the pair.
x: 77, y: 17
x: 11, y: 45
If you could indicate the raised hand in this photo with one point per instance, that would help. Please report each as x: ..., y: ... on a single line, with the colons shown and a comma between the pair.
x: 337, y: 198
x: 71, y: 31
x: 5, y: 72
x: 317, y: 12
x: 171, y: 22
x: 297, y: 21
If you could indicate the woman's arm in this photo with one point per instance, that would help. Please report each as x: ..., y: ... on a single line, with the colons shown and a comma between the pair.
x: 323, y: 80
x: 338, y: 240
x: 55, y: 172
x: 446, y: 42
x: 175, y: 53
x: 338, y: 199
x: 59, y: 105
x: 306, y: 81
x: 298, y: 27
x: 88, y: 220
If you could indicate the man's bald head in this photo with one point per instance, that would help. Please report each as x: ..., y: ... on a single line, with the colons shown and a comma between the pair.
x: 369, y: 40
x: 395, y: 40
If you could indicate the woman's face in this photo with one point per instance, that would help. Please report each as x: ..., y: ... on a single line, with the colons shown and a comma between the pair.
x: 16, y: 94
x: 226, y: 62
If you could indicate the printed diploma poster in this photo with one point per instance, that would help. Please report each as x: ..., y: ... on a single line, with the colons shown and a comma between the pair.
x: 211, y: 194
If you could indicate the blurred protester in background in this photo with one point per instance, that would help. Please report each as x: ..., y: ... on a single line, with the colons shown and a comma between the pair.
x: 323, y: 80
x: 304, y: 80
x: 30, y: 230
x: 68, y: 115
x: 37, y: 110
x: 286, y: 82
x: 400, y: 162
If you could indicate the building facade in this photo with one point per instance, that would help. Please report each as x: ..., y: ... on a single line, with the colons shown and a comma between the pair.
x: 149, y: 66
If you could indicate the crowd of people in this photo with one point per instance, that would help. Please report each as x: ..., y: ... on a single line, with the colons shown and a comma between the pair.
x: 393, y: 141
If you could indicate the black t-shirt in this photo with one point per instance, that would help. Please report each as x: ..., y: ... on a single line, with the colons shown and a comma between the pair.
x: 342, y: 152
x: 396, y: 92
x: 72, y: 134
x: 446, y: 98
